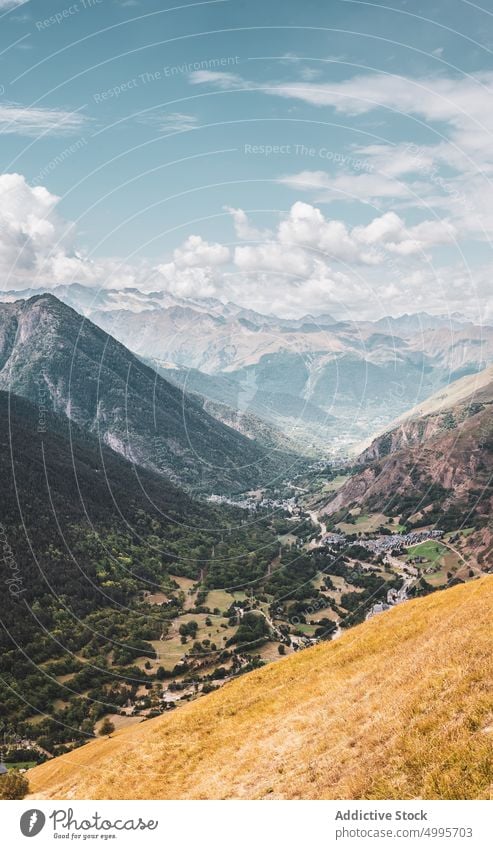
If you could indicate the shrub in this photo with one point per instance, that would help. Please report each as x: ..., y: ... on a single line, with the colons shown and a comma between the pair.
x: 13, y: 785
x: 107, y: 727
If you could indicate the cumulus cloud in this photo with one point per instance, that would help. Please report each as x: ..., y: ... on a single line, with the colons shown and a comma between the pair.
x: 195, y: 251
x: 30, y: 227
x: 306, y: 226
x: 309, y: 262
x: 186, y: 282
x: 194, y: 270
x: 38, y: 247
x: 273, y: 256
x: 313, y: 262
x: 243, y: 228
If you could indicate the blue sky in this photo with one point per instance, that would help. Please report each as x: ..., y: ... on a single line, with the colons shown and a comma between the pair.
x: 331, y: 156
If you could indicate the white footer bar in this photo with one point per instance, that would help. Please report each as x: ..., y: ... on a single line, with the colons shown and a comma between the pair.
x: 248, y: 825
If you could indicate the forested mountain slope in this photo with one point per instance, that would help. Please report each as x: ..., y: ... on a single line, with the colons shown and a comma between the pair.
x: 85, y: 536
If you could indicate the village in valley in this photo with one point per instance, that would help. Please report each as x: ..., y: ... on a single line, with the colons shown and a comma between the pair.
x: 320, y: 582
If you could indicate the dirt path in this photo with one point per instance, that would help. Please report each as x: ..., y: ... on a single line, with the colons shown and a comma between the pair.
x: 455, y: 551
x: 323, y: 529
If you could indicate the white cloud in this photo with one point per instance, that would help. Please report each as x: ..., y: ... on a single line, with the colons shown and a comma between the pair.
x: 220, y: 79
x: 243, y: 228
x: 463, y: 102
x: 308, y: 263
x: 387, y: 228
x: 309, y: 73
x: 452, y: 171
x: 460, y: 107
x: 195, y: 251
x: 194, y: 271
x: 33, y: 121
x: 286, y: 294
x: 347, y: 187
x: 170, y: 121
x: 409, y: 177
x: 273, y: 256
x: 454, y: 100
x: 397, y: 160
x: 186, y: 282
x: 306, y: 226
x: 29, y: 225
x: 37, y: 247
x: 314, y: 263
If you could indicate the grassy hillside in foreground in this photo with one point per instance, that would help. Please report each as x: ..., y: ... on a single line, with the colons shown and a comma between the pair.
x: 399, y: 707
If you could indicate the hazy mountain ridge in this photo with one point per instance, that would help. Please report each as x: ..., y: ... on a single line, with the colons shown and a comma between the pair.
x: 315, y: 378
x: 211, y: 390
x: 251, y: 426
x: 476, y: 387
x: 87, y: 300
x: 243, y: 391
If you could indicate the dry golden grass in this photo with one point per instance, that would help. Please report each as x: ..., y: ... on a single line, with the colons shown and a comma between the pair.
x: 399, y: 707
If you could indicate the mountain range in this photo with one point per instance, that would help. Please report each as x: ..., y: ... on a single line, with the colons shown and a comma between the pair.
x: 326, y: 383
x: 60, y: 360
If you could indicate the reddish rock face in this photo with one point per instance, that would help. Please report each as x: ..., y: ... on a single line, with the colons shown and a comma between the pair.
x: 451, y: 449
